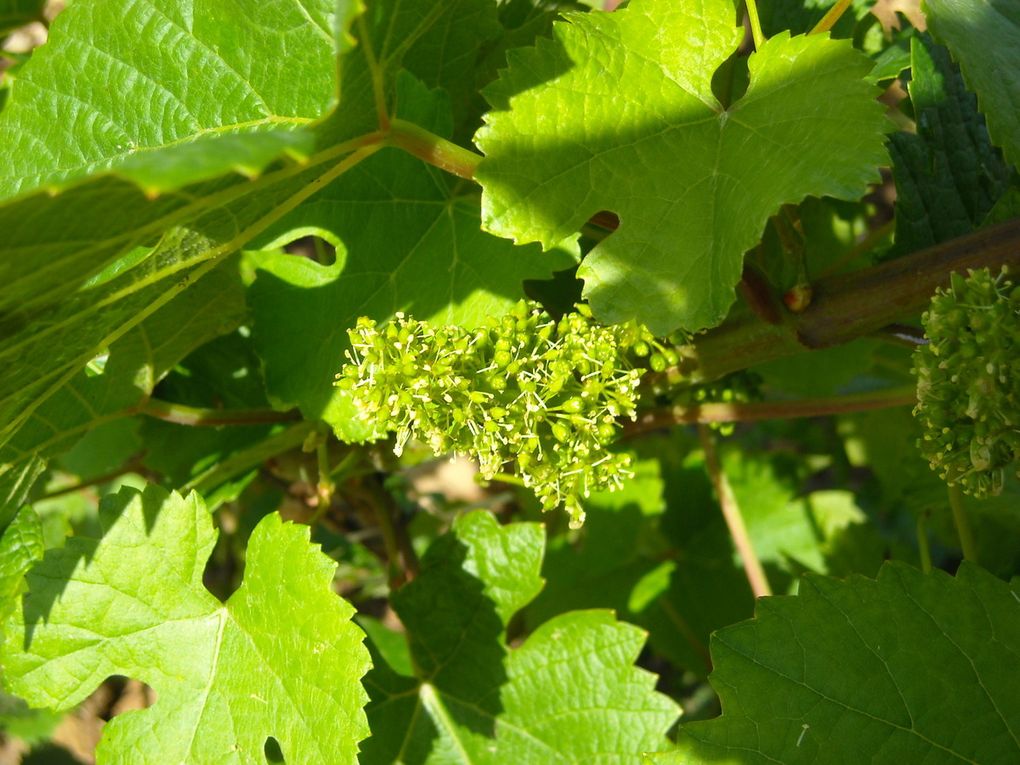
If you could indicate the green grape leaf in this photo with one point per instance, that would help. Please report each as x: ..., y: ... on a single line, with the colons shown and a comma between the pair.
x: 910, y: 667
x: 617, y: 113
x: 948, y: 176
x: 280, y: 658
x: 447, y: 56
x: 16, y: 13
x: 984, y: 38
x: 473, y: 699
x: 120, y: 76
x: 132, y: 367
x: 410, y: 242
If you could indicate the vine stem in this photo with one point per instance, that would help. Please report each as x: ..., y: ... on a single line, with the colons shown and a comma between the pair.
x: 181, y: 414
x: 250, y: 457
x: 324, y: 486
x: 848, y: 306
x: 734, y: 520
x: 132, y: 467
x: 770, y: 410
x: 923, y: 548
x: 752, y: 16
x: 962, y: 524
x: 433, y: 149
x: 828, y: 21
x: 401, y: 559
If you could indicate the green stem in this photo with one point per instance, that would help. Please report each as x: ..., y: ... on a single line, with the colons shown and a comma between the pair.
x: 752, y: 16
x: 657, y: 419
x: 132, y: 467
x: 382, y: 508
x: 734, y: 520
x: 962, y: 524
x: 923, y: 548
x: 376, y: 73
x: 833, y: 15
x: 252, y: 457
x: 509, y: 478
x: 182, y: 414
x: 433, y: 149
x: 324, y: 486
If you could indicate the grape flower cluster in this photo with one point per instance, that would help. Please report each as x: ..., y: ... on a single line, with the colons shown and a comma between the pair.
x: 523, y: 388
x: 968, y: 381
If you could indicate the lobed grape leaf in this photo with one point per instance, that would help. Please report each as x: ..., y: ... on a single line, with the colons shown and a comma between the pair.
x: 909, y: 667
x: 984, y: 38
x: 618, y: 113
x: 948, y: 176
x: 568, y: 694
x: 280, y: 658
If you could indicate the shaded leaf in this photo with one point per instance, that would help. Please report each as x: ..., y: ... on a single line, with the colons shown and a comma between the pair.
x: 473, y: 699
x: 948, y: 176
x: 906, y: 668
x: 984, y: 38
x: 16, y: 13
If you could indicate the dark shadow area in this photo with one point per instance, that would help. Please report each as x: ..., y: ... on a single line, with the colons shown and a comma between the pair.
x: 558, y: 294
x: 730, y: 81
x: 50, y: 754
x: 707, y: 590
x: 273, y: 752
x: 455, y: 638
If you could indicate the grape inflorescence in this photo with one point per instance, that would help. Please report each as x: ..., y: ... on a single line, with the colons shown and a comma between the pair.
x: 524, y: 389
x: 968, y: 381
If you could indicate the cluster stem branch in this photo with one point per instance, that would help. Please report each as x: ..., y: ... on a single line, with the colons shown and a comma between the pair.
x: 731, y: 512
x: 656, y: 419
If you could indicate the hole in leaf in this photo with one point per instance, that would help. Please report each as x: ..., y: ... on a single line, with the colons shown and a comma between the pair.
x: 273, y: 752
x: 314, y: 248
x: 606, y: 219
x: 122, y: 694
x: 224, y: 570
